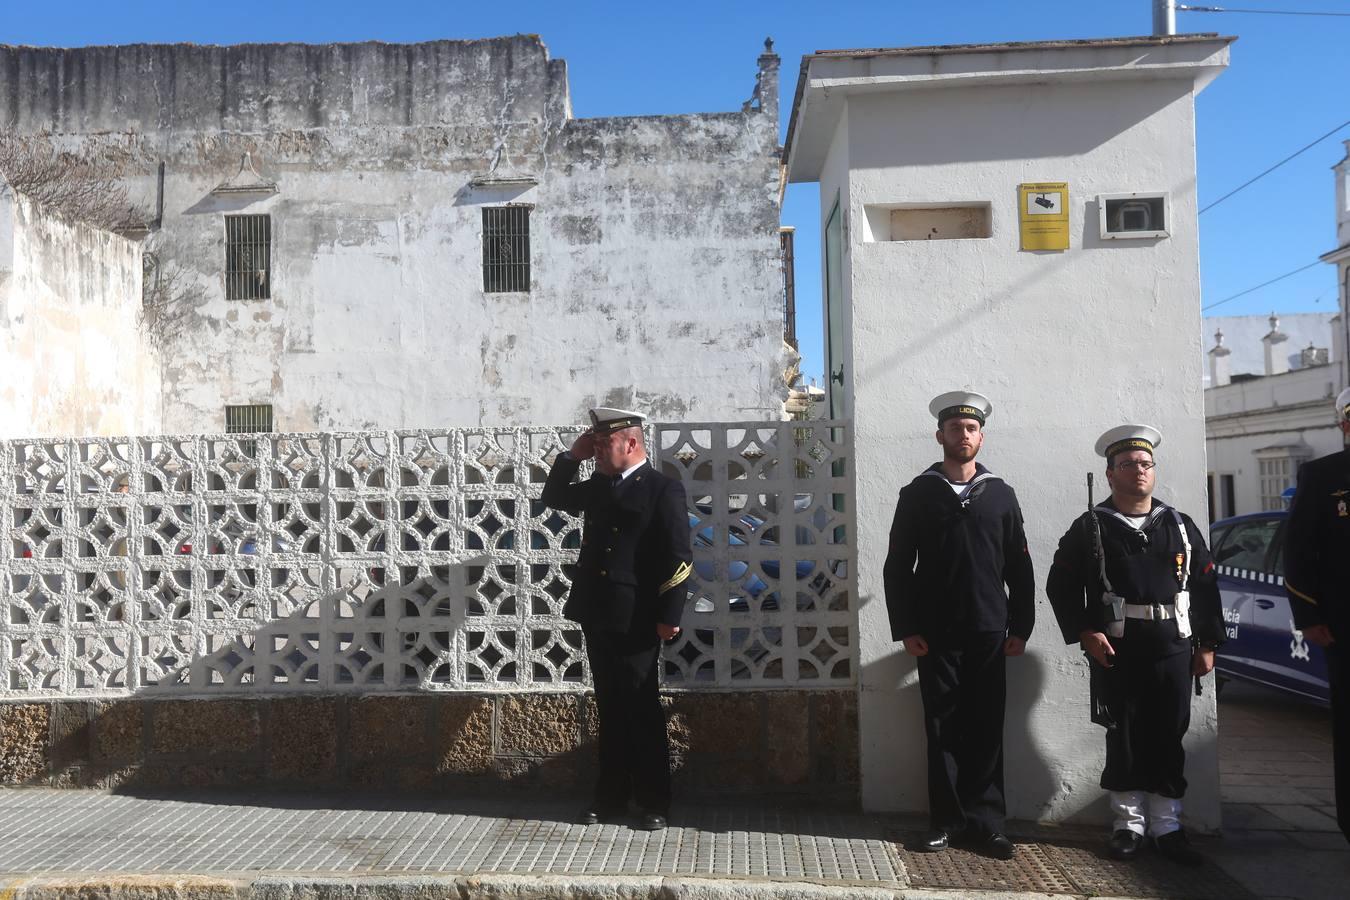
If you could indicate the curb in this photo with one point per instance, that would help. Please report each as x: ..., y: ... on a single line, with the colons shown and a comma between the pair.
x: 489, y: 886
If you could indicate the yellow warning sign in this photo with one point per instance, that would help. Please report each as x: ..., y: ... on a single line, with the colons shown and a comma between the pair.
x: 1043, y: 215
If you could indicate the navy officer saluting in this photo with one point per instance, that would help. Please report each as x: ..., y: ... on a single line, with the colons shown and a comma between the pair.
x: 628, y: 594
x: 1133, y: 583
x: 956, y: 541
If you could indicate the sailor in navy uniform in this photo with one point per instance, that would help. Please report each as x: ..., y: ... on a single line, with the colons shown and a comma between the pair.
x: 628, y: 594
x: 1315, y: 550
x: 960, y: 593
x: 1133, y: 583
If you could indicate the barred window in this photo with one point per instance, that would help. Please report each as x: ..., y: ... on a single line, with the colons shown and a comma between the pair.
x: 506, y: 249
x: 248, y: 257
x: 248, y: 419
x: 1277, y: 469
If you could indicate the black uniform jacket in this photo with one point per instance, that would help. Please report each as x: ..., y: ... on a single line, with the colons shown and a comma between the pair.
x: 635, y: 556
x: 1142, y: 568
x: 1317, y: 545
x: 950, y: 559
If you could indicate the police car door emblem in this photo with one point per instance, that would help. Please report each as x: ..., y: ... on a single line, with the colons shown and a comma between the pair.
x: 1298, y: 647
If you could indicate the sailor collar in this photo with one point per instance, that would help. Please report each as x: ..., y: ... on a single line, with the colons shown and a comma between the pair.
x: 1157, y: 512
x: 969, y: 492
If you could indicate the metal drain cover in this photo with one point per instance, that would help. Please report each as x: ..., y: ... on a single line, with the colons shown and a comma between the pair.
x: 1064, y: 867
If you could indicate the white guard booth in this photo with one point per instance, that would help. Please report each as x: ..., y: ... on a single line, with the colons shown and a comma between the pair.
x: 1020, y: 220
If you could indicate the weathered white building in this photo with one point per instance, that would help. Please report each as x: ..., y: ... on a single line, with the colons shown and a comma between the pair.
x: 377, y: 235
x: 1259, y: 430
x: 934, y: 164
x: 74, y: 357
x: 1261, y: 425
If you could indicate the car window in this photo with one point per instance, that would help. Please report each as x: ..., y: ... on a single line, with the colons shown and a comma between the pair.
x: 1247, y: 544
x: 1277, y: 558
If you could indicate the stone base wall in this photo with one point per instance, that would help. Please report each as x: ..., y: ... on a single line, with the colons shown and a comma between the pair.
x: 785, y: 744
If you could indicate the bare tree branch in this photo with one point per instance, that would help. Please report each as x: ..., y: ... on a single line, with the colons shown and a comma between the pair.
x: 72, y: 186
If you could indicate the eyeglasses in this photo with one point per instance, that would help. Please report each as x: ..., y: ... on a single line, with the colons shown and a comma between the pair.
x: 1143, y: 465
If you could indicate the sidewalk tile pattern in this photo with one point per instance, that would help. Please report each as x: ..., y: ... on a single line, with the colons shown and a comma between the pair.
x: 67, y: 832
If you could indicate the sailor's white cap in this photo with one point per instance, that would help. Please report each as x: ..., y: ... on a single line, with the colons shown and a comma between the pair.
x: 1128, y: 437
x: 963, y: 404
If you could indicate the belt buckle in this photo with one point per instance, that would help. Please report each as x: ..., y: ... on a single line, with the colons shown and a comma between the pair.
x: 1158, y: 612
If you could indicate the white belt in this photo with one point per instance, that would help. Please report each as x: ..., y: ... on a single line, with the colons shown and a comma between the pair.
x: 1149, y: 611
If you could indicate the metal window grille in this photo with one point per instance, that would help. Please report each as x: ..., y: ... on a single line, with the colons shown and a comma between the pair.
x: 248, y: 257
x: 248, y: 419
x: 506, y: 249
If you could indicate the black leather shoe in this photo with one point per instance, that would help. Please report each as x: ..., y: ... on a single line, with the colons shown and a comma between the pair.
x: 935, y: 842
x: 588, y: 816
x: 1177, y: 847
x: 1124, y: 844
x: 651, y: 822
x: 997, y: 846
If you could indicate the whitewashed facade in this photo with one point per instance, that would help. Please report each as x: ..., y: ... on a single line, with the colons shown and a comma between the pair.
x: 380, y: 235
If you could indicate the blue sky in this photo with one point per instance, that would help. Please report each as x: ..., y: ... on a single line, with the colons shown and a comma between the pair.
x: 1287, y: 85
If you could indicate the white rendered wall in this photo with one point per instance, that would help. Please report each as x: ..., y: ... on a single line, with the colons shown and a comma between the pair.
x: 1294, y: 408
x: 74, y: 357
x: 1066, y: 344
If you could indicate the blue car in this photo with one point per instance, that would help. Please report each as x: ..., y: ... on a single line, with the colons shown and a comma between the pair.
x: 1263, y: 645
x: 738, y: 570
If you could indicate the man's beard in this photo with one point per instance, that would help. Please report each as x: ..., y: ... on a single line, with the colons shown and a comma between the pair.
x: 959, y: 454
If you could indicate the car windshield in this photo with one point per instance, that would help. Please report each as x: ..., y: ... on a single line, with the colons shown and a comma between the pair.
x: 1247, y: 544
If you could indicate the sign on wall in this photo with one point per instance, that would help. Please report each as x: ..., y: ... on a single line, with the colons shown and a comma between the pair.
x: 1043, y: 215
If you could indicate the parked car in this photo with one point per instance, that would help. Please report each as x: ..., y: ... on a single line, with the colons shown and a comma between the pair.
x: 738, y: 570
x: 1263, y: 645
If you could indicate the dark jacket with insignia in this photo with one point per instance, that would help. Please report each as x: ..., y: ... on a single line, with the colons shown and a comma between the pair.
x: 1317, y: 543
x: 951, y: 557
x: 635, y: 556
x: 1142, y: 568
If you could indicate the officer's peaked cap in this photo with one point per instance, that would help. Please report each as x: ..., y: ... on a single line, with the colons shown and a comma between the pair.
x: 605, y: 420
x: 1343, y: 406
x: 1123, y: 438
x: 961, y: 404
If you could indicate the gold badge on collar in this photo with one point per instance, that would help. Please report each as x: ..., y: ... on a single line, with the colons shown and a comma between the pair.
x: 1340, y: 508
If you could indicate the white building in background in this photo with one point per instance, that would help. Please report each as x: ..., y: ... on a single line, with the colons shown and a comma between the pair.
x: 74, y: 358
x: 1268, y: 400
x: 937, y: 167
x: 372, y: 235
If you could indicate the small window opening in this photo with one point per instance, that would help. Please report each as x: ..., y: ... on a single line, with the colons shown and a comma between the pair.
x: 506, y: 249
x: 248, y: 257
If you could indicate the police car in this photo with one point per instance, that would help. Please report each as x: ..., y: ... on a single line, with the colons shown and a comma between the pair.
x: 1263, y: 645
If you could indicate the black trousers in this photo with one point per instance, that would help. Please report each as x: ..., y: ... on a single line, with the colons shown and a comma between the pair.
x: 1338, y: 671
x: 1150, y: 700
x: 963, y: 684
x: 634, y: 750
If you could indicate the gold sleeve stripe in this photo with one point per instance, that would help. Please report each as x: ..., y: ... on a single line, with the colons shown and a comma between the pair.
x: 1296, y: 592
x: 680, y: 575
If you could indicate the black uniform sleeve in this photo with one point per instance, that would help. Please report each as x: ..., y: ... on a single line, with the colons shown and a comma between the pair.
x: 1018, y: 575
x: 1203, y: 585
x: 1301, y: 551
x: 902, y: 594
x: 672, y: 517
x: 559, y: 492
x: 1071, y: 574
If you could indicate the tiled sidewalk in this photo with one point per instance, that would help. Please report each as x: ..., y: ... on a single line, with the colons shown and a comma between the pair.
x: 55, y: 831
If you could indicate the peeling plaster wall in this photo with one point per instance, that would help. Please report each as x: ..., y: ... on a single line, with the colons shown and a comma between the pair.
x: 655, y: 274
x: 74, y: 357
